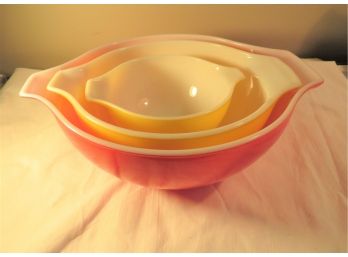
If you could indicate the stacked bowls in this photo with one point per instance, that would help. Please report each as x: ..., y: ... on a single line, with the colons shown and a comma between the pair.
x: 174, y: 111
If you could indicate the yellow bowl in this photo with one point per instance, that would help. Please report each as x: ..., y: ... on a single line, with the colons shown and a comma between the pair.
x: 267, y: 78
x: 166, y: 94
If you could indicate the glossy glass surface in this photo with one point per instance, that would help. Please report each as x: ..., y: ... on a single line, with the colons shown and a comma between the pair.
x: 234, y: 125
x: 172, y: 169
x: 165, y: 93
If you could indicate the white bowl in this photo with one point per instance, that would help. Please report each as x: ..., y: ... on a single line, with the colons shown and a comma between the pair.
x: 173, y: 93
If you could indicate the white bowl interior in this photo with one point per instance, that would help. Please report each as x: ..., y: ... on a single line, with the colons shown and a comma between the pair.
x: 165, y: 86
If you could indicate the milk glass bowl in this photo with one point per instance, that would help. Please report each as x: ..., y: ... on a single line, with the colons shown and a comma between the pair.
x: 171, y: 169
x: 169, y: 93
x: 269, y: 73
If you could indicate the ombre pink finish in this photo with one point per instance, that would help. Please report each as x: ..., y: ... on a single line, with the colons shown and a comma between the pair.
x: 170, y: 171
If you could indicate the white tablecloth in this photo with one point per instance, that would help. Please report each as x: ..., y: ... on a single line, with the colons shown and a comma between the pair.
x: 294, y: 198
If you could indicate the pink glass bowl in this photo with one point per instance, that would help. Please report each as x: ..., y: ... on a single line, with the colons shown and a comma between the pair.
x: 171, y: 169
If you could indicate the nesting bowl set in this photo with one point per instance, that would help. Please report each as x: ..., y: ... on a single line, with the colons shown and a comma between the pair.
x: 174, y: 111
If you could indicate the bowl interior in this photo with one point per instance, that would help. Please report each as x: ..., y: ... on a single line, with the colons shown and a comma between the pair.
x: 164, y: 86
x: 248, y: 96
